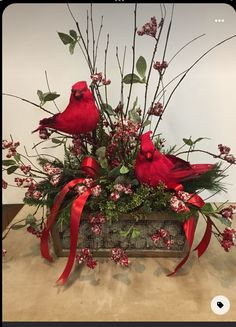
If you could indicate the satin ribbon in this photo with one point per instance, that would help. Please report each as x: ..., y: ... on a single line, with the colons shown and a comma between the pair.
x: 189, y: 227
x: 203, y: 245
x: 90, y: 166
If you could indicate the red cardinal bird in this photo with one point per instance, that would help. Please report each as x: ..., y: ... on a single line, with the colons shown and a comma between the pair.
x: 153, y: 167
x: 80, y: 116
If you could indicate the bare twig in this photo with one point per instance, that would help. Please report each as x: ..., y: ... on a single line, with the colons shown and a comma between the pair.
x: 202, y: 56
x: 133, y: 61
x: 34, y: 104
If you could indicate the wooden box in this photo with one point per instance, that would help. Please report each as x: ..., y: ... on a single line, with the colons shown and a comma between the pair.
x: 110, y: 237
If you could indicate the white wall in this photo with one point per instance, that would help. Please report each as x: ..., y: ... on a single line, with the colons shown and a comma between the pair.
x: 204, y: 105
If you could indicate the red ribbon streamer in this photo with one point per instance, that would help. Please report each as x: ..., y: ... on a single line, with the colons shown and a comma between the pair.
x: 76, y: 211
x: 90, y: 166
x: 189, y: 228
x: 202, y: 246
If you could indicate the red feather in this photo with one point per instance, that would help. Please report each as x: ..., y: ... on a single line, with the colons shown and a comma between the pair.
x: 80, y: 116
x: 152, y: 167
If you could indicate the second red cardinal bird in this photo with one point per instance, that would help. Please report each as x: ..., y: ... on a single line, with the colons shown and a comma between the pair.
x: 152, y: 167
x: 80, y: 116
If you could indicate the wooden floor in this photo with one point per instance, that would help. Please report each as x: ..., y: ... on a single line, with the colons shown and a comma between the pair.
x: 9, y: 211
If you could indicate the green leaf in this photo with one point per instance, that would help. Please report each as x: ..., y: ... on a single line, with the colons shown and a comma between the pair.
x: 141, y: 66
x: 146, y: 123
x: 40, y: 95
x: 15, y: 227
x: 11, y: 169
x: 200, y: 138
x: 101, y: 152
x: 73, y: 34
x: 124, y: 233
x: 107, y: 108
x: 133, y: 115
x: 124, y: 170
x: 66, y: 39
x: 72, y: 48
x: 115, y: 172
x: 30, y: 219
x: 17, y: 157
x: 188, y: 141
x: 8, y: 162
x: 135, y: 233
x: 56, y: 141
x: 50, y: 96
x: 128, y: 79
x: 222, y: 220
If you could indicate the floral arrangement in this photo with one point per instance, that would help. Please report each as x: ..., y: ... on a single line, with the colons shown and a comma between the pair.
x: 111, y: 166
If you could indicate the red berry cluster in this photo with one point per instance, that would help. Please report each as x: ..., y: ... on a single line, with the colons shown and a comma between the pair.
x: 149, y: 28
x: 228, y: 238
x: 228, y: 212
x: 44, y: 134
x: 164, y: 235
x: 86, y: 256
x: 98, y: 78
x: 4, y: 184
x: 156, y: 110
x: 122, y: 141
x: 34, y: 231
x: 25, y: 169
x: 96, y: 222
x: 118, y: 255
x: 160, y: 66
x: 77, y: 147
x: 11, y: 146
x: 225, y: 154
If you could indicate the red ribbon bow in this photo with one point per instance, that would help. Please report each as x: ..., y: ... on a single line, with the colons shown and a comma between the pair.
x: 91, y: 167
x: 189, y: 230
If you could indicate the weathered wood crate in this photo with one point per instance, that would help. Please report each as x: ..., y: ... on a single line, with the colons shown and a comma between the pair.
x: 110, y: 237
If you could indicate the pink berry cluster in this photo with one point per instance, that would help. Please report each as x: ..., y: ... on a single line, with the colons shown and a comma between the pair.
x: 156, y: 110
x: 76, y: 147
x: 149, y: 28
x: 119, y: 189
x: 88, y: 183
x: 4, y: 252
x: 53, y: 172
x: 228, y: 238
x: 123, y: 138
x: 164, y: 235
x: 160, y: 66
x: 34, y: 231
x: 4, y: 184
x: 11, y: 146
x: 118, y: 255
x: 177, y: 202
x: 228, y: 213
x: 25, y: 169
x: 86, y: 256
x: 44, y: 134
x: 32, y: 192
x: 225, y: 154
x: 98, y: 78
x: 96, y: 222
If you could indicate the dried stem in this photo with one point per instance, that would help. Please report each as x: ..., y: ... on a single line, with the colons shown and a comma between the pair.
x: 93, y: 35
x: 105, y: 67
x: 34, y: 104
x: 202, y: 56
x: 97, y: 43
x: 133, y: 61
x: 203, y: 151
x: 196, y: 38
